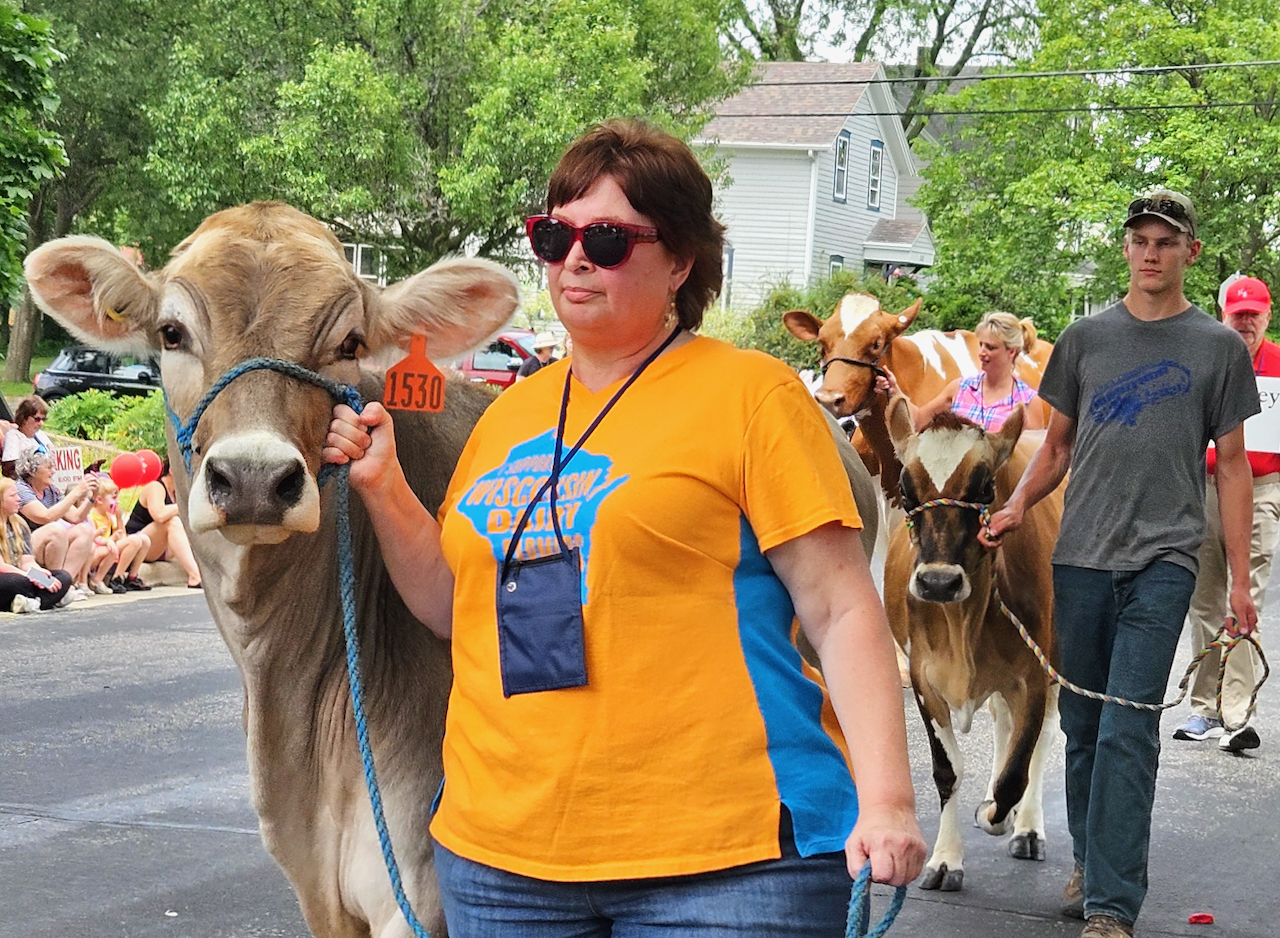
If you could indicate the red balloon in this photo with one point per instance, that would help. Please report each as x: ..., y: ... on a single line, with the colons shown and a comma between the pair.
x: 151, y: 466
x: 126, y: 470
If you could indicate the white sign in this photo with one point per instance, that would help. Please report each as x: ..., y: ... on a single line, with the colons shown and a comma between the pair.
x: 68, y: 467
x: 1262, y: 431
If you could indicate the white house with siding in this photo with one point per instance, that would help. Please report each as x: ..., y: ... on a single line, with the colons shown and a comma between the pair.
x: 819, y: 173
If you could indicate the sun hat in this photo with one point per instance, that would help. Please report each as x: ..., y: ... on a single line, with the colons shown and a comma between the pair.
x: 544, y: 340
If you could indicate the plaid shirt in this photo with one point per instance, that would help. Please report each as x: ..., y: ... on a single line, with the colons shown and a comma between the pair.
x: 968, y: 402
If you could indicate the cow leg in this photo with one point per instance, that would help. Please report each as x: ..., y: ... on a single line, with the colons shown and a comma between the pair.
x: 1028, y: 841
x: 1028, y: 716
x: 945, y: 869
x: 1002, y: 730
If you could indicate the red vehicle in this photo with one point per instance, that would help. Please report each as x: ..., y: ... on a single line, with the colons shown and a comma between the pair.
x: 498, y: 362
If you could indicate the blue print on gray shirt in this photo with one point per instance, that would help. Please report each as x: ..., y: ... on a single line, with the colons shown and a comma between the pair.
x: 1125, y: 397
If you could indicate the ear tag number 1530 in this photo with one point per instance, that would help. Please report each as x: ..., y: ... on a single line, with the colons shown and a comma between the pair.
x: 414, y: 383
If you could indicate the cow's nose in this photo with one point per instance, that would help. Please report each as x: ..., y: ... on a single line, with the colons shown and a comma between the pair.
x: 254, y: 492
x: 940, y: 585
x: 832, y: 400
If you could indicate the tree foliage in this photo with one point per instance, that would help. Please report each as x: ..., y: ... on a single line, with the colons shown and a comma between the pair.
x: 432, y: 124
x: 31, y: 153
x: 858, y: 30
x: 1027, y: 206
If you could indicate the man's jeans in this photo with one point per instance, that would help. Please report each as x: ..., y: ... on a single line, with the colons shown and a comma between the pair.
x: 792, y: 897
x: 1117, y: 633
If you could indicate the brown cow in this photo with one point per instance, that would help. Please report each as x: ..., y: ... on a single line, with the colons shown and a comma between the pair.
x: 266, y: 280
x: 940, y: 594
x: 923, y: 363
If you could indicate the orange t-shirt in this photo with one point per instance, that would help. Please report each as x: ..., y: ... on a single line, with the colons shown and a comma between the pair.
x: 698, y: 720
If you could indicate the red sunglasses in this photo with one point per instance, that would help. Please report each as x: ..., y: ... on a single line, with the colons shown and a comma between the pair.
x: 606, y: 243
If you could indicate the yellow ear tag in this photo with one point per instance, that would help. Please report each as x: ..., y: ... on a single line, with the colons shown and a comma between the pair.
x: 113, y: 315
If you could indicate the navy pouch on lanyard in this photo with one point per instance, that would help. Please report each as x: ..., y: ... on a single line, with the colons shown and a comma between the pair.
x: 541, y: 635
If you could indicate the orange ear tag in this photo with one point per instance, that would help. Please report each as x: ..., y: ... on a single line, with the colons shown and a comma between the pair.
x: 413, y: 383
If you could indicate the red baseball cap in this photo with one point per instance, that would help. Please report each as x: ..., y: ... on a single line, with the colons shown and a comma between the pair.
x: 1247, y: 295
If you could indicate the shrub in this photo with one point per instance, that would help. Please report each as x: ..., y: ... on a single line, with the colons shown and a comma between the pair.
x: 129, y: 423
x: 86, y: 415
x: 139, y: 423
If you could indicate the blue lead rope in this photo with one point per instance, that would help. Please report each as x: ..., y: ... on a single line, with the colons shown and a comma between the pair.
x: 859, y: 922
x: 859, y: 908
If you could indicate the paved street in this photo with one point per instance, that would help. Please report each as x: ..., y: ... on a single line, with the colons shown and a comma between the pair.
x: 124, y: 809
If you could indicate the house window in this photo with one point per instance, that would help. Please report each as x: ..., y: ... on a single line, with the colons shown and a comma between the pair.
x: 835, y: 262
x: 841, y: 184
x: 369, y: 262
x: 875, y: 175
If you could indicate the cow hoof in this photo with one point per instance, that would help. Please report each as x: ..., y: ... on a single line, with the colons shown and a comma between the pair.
x: 943, y: 879
x: 1027, y: 846
x: 982, y: 819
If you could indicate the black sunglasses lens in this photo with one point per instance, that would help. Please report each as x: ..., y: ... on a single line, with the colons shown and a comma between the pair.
x: 550, y: 240
x: 605, y: 245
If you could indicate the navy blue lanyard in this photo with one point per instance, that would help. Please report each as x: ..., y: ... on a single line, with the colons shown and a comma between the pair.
x: 558, y: 464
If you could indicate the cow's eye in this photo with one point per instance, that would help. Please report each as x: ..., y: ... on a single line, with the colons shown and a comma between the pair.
x: 171, y: 336
x: 350, y: 346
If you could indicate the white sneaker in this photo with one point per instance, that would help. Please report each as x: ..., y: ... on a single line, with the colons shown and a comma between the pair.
x: 25, y: 604
x: 1244, y: 738
x: 67, y: 599
x: 81, y: 593
x: 100, y: 588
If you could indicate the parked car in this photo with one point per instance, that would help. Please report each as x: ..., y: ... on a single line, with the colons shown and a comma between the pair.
x: 498, y: 362
x: 77, y: 368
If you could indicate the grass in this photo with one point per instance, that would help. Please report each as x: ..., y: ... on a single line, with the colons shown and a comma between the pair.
x: 16, y: 390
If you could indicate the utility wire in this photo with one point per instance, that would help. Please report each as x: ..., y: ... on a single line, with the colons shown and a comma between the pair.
x: 979, y: 76
x: 1030, y: 110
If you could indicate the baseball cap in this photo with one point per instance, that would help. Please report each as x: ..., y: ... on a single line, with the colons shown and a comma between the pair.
x: 1247, y: 295
x: 545, y: 340
x: 1171, y: 207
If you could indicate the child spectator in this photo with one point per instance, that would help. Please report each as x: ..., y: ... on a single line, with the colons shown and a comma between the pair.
x: 25, y: 586
x: 115, y: 550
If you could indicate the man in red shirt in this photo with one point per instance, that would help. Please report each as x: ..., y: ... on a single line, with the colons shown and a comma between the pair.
x: 1247, y: 309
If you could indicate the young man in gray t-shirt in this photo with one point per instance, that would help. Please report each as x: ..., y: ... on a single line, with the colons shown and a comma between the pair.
x: 1137, y: 392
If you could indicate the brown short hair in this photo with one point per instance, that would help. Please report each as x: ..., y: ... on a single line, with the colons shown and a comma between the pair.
x: 662, y: 180
x: 29, y: 407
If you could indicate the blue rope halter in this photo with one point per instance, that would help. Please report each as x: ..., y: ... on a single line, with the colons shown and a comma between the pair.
x: 346, y: 581
x: 859, y: 905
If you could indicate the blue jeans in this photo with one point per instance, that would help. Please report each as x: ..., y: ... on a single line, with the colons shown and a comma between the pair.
x: 1118, y: 633
x: 793, y: 896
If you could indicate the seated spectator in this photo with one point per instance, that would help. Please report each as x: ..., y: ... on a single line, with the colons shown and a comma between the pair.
x: 25, y: 586
x: 156, y: 516
x: 117, y: 555
x: 60, y: 539
x: 27, y: 434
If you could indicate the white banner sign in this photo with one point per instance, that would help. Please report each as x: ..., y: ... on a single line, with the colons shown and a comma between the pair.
x: 1262, y: 432
x: 68, y: 467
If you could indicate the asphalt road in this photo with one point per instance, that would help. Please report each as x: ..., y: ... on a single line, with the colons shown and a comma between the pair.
x: 124, y: 810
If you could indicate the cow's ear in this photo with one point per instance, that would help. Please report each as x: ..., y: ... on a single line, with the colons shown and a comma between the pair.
x: 904, y: 319
x: 92, y: 289
x: 457, y: 303
x: 901, y: 426
x: 1004, y: 440
x: 802, y: 324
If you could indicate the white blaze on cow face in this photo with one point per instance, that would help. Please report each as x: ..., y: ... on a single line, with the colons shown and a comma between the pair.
x: 855, y: 309
x: 940, y: 452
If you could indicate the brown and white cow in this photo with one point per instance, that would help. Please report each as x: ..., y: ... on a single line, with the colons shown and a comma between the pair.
x: 940, y: 595
x: 923, y: 363
x: 267, y: 280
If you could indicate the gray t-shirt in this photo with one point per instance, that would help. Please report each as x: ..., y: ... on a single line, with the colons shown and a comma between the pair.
x: 1147, y: 398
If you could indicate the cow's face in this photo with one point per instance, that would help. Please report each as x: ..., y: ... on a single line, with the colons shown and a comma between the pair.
x: 956, y: 459
x: 858, y: 330
x: 261, y: 280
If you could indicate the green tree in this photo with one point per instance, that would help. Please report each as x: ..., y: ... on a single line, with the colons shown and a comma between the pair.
x: 30, y: 152
x: 1026, y: 205
x: 937, y: 30
x: 426, y: 125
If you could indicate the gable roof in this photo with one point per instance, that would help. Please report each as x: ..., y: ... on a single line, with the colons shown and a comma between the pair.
x: 792, y: 104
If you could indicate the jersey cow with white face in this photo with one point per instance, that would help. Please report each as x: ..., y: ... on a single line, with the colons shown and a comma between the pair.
x: 265, y: 280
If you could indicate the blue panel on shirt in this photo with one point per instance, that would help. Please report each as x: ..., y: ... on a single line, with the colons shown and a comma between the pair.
x: 813, y: 779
